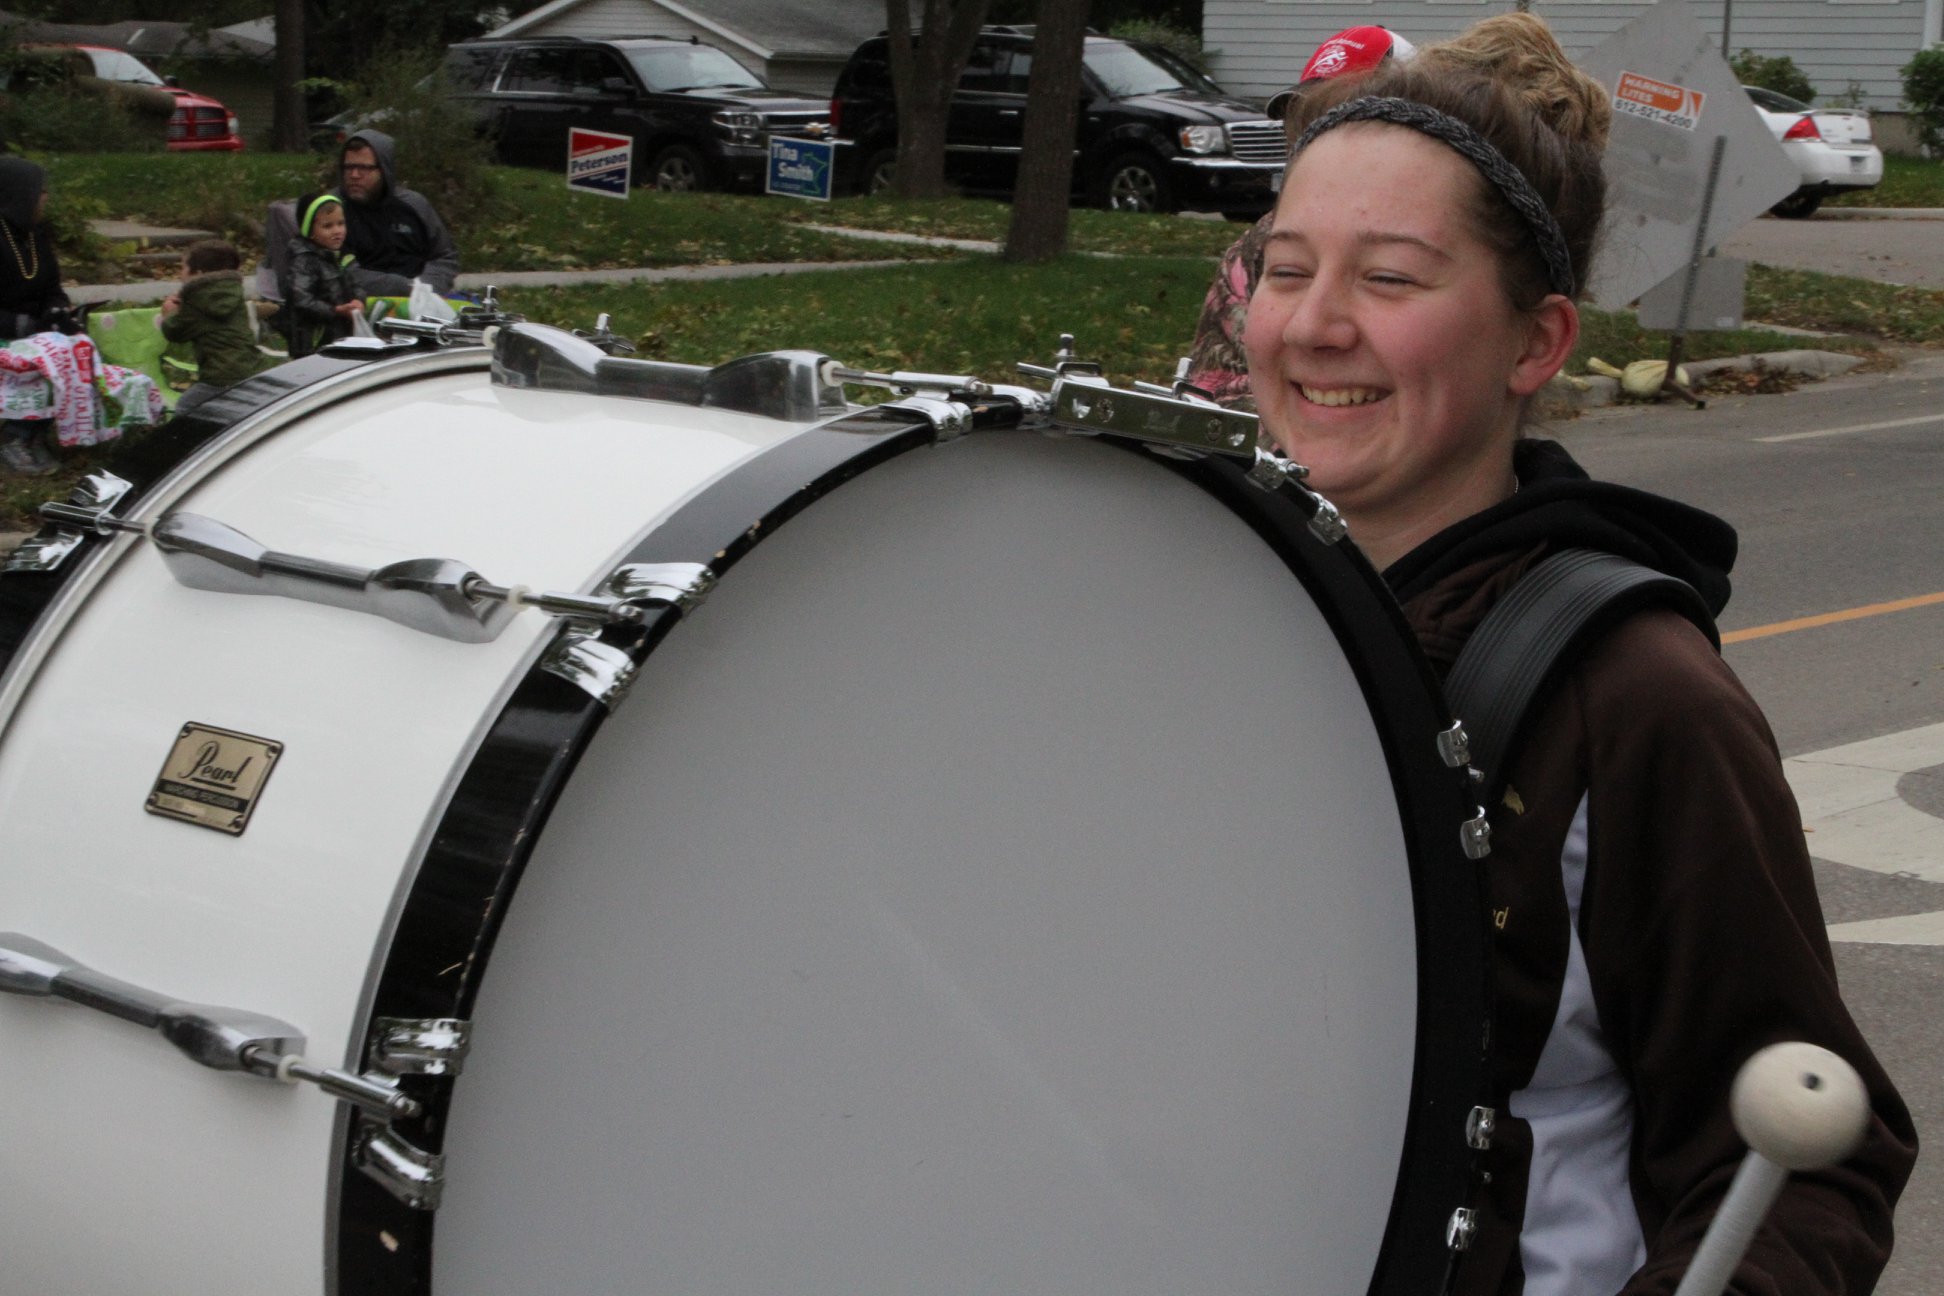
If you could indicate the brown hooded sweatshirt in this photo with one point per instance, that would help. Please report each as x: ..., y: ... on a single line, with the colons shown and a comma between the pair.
x: 1655, y: 923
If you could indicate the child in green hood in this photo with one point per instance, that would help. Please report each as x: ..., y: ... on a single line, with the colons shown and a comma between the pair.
x: 320, y: 295
x: 208, y: 313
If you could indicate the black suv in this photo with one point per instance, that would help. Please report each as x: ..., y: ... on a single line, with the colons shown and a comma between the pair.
x: 699, y: 119
x: 1154, y: 133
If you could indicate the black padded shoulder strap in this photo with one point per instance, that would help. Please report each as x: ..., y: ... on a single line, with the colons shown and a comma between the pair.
x: 1536, y: 632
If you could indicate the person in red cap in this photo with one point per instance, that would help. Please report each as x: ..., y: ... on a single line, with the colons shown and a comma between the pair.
x: 1215, y: 361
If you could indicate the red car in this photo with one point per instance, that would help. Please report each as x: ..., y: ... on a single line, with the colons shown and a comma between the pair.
x: 198, y: 124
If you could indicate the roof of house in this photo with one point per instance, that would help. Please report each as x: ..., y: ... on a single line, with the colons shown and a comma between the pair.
x: 142, y: 39
x: 768, y: 27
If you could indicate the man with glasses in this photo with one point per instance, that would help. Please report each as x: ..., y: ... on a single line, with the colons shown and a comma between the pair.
x: 391, y: 230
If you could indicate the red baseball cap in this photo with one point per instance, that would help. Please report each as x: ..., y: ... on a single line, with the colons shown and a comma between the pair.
x: 1351, y: 52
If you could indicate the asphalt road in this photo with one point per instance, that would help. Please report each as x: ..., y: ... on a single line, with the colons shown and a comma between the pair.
x: 1903, y: 250
x: 1838, y: 492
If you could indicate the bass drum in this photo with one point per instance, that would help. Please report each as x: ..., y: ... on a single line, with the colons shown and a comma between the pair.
x: 1030, y: 869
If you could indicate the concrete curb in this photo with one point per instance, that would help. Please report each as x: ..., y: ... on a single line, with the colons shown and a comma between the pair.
x: 1806, y: 364
x: 1879, y: 213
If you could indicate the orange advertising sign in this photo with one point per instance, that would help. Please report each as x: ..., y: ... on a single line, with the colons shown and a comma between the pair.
x: 1671, y: 105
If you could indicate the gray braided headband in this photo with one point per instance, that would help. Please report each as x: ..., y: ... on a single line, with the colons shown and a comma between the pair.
x: 1492, y: 164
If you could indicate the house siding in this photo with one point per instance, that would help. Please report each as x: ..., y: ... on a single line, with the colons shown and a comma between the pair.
x: 1257, y: 46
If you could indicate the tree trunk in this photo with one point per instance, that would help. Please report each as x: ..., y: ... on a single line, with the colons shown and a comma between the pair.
x: 1040, y: 196
x: 923, y: 75
x: 289, y: 129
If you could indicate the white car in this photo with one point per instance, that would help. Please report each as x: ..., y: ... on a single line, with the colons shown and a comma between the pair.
x: 1831, y: 146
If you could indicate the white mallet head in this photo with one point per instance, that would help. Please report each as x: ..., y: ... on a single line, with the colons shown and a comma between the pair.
x: 1800, y: 1106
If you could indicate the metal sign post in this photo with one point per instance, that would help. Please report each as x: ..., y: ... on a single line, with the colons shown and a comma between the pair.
x: 1678, y: 344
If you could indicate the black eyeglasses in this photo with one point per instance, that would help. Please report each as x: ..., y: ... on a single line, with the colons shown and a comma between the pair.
x: 358, y: 166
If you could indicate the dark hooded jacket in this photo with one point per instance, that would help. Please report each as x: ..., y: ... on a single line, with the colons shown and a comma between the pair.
x: 30, y: 274
x: 315, y: 281
x: 397, y: 237
x: 1654, y: 923
x: 216, y: 325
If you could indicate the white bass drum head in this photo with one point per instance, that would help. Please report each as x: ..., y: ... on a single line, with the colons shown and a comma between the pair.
x: 997, y: 886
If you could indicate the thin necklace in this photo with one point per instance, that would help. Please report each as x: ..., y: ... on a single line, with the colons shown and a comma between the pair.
x: 26, y: 271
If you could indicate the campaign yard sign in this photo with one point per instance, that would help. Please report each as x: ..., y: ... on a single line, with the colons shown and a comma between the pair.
x: 598, y: 162
x: 800, y: 168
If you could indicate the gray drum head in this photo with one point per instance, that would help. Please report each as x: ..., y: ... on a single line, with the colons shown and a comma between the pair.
x: 997, y: 886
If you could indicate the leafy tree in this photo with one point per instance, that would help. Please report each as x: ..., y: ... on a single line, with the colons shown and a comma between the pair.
x: 344, y: 38
x: 289, y: 127
x: 1178, y: 41
x: 440, y: 151
x: 209, y: 13
x: 48, y: 107
x: 924, y: 72
x: 1923, y: 82
x: 1039, y: 212
x: 1779, y: 74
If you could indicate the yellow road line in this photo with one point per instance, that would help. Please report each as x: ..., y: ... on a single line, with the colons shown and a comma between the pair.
x: 1831, y: 618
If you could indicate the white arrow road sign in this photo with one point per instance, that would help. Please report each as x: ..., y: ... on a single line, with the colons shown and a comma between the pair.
x: 1853, y: 815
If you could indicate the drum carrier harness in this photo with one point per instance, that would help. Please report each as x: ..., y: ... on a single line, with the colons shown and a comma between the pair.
x: 1534, y: 634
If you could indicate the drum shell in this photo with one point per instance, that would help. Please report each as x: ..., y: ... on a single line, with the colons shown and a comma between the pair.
x: 375, y: 720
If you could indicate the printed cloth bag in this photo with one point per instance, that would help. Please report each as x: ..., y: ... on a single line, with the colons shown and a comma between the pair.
x: 54, y: 376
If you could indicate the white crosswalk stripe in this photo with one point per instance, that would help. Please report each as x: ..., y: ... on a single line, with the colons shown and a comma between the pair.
x: 1853, y: 815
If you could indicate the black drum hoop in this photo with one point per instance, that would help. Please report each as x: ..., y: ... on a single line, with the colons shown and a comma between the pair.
x: 430, y: 965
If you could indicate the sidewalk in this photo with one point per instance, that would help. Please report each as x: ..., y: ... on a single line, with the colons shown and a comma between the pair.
x: 156, y: 290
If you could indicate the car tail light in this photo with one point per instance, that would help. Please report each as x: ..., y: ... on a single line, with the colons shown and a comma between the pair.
x: 836, y: 116
x: 1805, y: 129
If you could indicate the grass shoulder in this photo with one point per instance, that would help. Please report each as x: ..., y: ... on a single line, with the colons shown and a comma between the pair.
x: 1907, y: 182
x: 978, y: 316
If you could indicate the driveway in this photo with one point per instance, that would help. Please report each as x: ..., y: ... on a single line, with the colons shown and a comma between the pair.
x: 1904, y: 250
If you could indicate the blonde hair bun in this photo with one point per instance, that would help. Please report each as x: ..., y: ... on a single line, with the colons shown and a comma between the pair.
x: 1519, y: 51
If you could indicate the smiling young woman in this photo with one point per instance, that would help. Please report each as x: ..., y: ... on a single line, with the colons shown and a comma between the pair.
x: 1383, y: 353
x: 1655, y: 921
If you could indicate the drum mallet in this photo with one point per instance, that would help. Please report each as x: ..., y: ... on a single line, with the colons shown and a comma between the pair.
x: 1798, y: 1107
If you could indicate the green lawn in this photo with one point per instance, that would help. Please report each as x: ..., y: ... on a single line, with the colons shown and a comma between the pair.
x: 956, y: 313
x: 531, y: 221
x: 980, y: 316
x: 1907, y: 182
x: 974, y: 316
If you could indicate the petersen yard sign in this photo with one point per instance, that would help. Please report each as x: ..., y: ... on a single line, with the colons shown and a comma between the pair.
x: 598, y: 162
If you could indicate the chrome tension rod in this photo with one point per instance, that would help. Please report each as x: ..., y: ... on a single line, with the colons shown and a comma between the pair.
x: 222, y: 1039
